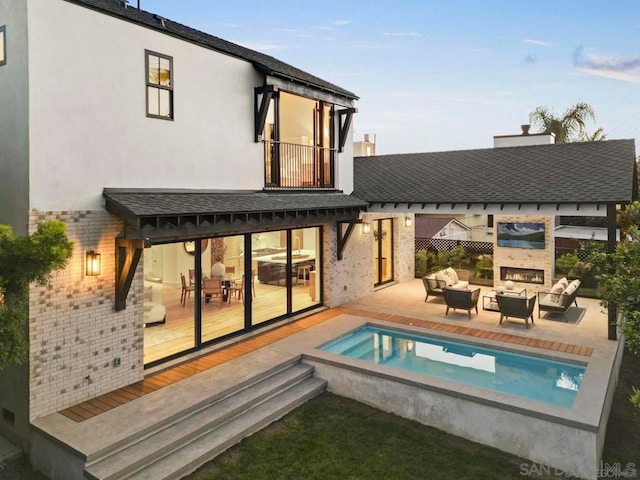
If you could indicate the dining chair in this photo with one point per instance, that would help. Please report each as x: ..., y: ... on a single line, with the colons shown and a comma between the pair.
x: 212, y: 290
x: 186, y: 290
x: 237, y: 290
x: 192, y: 276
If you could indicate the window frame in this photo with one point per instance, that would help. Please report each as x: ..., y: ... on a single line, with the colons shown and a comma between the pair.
x: 3, y: 53
x: 148, y: 84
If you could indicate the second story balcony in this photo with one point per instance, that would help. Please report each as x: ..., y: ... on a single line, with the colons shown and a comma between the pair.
x: 292, y: 166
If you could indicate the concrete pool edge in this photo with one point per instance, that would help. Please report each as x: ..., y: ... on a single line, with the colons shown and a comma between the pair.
x: 536, y: 431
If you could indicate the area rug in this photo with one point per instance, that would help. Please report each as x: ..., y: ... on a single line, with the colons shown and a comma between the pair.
x: 155, y: 336
x: 573, y: 314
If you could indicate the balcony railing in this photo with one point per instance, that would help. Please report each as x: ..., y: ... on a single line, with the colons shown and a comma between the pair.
x: 292, y: 166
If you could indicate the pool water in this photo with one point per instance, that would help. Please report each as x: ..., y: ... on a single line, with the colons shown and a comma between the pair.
x: 522, y: 375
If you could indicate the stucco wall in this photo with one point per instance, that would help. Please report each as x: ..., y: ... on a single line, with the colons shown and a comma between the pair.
x: 74, y: 332
x: 89, y: 128
x: 14, y: 133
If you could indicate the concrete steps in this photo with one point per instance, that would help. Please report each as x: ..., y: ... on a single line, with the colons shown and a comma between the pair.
x: 180, y: 445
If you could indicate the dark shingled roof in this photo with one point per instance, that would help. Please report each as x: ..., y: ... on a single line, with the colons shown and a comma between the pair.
x: 587, y: 172
x: 143, y: 202
x: 265, y: 63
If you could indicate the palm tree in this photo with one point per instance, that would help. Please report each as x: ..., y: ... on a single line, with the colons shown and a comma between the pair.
x: 570, y: 127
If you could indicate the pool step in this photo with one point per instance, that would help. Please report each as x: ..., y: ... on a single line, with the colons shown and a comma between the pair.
x: 177, y: 448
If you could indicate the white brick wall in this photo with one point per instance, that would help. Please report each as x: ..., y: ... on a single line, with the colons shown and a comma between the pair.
x: 74, y: 332
x: 523, y: 257
x: 352, y: 277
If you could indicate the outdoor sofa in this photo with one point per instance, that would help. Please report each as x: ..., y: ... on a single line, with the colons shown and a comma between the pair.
x: 558, y: 300
x: 435, y: 282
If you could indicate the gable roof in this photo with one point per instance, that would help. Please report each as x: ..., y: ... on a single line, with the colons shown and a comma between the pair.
x: 265, y: 63
x: 428, y: 227
x: 587, y: 172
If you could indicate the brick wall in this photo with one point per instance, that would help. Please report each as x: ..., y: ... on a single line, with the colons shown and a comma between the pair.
x: 352, y: 277
x: 524, y: 257
x: 74, y: 332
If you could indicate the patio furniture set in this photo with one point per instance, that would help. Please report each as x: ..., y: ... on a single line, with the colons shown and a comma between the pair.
x: 453, y: 285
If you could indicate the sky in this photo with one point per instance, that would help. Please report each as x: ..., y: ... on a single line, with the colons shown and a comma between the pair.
x: 447, y: 74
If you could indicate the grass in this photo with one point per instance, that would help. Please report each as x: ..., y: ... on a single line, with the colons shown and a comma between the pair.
x: 333, y: 437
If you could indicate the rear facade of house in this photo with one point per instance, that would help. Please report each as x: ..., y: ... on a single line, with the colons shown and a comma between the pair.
x: 173, y: 157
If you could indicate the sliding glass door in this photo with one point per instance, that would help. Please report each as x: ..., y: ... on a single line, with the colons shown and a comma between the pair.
x: 201, y: 291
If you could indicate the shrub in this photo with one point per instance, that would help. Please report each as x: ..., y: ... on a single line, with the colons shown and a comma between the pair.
x: 565, y: 262
x: 484, y: 268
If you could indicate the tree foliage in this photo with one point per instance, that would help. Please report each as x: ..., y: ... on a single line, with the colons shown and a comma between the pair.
x: 570, y: 127
x: 619, y: 277
x: 24, y: 260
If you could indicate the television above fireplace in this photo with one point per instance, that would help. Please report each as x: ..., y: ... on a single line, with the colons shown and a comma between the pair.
x: 520, y: 235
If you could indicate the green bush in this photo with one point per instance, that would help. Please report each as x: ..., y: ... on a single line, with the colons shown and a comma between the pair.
x: 580, y: 270
x: 484, y: 268
x: 422, y: 263
x: 565, y: 262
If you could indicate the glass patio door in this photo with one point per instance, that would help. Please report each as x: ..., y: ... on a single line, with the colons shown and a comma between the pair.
x: 382, y: 251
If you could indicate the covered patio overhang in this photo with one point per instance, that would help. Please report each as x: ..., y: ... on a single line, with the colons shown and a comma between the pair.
x: 157, y: 216
x: 574, y: 179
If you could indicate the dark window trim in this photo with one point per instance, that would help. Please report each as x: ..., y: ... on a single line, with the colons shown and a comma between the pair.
x: 3, y: 34
x: 147, y: 84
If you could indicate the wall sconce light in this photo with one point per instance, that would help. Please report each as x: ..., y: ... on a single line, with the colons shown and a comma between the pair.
x: 408, y: 221
x: 410, y: 346
x: 366, y: 227
x: 93, y: 263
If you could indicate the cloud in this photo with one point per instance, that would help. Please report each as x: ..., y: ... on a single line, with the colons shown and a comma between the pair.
x: 626, y: 69
x: 402, y: 34
x: 536, y: 42
x: 340, y: 22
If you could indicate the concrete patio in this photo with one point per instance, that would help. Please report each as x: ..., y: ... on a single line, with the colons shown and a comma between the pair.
x: 62, y: 444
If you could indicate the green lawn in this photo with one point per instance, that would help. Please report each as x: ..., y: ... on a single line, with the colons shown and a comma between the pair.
x: 331, y: 437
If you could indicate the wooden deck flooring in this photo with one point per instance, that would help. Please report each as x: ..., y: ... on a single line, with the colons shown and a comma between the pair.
x: 103, y: 403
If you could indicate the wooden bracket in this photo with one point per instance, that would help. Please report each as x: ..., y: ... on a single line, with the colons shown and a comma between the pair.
x: 128, y: 254
x: 261, y: 111
x: 345, y: 117
x: 343, y: 237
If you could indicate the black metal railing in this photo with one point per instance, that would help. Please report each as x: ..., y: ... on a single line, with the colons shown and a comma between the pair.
x: 289, y: 165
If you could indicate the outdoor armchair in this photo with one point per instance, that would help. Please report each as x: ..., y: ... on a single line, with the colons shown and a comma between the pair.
x: 463, y: 299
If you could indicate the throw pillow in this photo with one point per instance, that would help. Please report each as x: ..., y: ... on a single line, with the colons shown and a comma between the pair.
x: 443, y: 277
x: 452, y: 275
x: 556, y: 290
x: 564, y: 282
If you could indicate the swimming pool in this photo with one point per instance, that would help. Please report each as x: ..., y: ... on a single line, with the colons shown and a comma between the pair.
x: 549, y: 381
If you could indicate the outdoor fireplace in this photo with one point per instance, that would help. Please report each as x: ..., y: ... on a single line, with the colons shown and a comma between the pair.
x: 523, y: 275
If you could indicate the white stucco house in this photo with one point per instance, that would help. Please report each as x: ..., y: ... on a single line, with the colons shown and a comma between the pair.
x: 167, y: 151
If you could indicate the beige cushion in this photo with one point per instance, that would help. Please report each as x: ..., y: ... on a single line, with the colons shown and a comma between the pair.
x: 548, y: 300
x: 556, y: 290
x: 452, y: 275
x: 564, y: 282
x: 573, y: 286
x: 443, y: 277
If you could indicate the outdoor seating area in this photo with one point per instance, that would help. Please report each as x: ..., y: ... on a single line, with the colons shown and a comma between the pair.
x: 517, y: 306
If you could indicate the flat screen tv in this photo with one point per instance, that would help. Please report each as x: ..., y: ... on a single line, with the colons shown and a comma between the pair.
x: 521, y: 235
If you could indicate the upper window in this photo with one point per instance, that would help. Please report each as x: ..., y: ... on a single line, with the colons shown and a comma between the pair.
x: 3, y: 48
x: 159, y: 85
